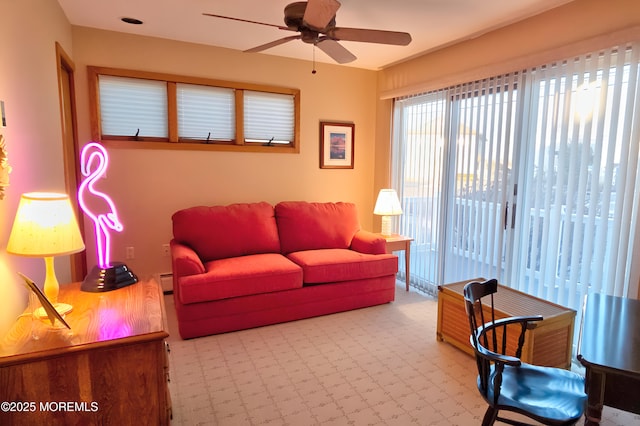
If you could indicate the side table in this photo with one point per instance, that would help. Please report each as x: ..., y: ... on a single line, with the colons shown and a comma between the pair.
x: 397, y: 242
x: 609, y: 349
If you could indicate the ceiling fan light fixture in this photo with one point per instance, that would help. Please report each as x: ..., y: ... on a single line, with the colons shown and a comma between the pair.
x: 314, y: 21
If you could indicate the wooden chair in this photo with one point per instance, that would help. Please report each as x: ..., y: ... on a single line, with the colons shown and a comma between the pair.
x: 548, y: 395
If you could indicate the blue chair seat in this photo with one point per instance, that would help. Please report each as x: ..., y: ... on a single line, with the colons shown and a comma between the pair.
x: 543, y: 392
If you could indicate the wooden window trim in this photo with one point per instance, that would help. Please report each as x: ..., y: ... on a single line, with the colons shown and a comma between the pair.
x: 173, y: 142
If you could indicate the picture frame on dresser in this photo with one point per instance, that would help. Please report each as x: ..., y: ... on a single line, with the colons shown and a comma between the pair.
x: 337, y: 142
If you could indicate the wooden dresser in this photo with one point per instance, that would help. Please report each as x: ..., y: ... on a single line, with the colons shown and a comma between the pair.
x: 110, y: 368
x: 549, y: 343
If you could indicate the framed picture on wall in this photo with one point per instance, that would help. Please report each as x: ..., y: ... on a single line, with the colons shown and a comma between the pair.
x: 336, y: 145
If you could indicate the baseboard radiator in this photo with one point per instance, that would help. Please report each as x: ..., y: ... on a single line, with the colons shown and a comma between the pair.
x: 166, y: 282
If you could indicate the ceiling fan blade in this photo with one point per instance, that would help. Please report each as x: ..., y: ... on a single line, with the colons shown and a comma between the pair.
x: 272, y: 44
x: 319, y: 13
x: 369, y: 36
x: 335, y: 50
x: 250, y: 22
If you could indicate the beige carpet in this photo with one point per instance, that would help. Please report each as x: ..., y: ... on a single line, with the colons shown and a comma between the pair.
x: 374, y: 366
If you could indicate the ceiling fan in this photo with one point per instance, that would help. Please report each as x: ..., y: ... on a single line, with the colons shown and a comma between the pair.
x: 315, y: 21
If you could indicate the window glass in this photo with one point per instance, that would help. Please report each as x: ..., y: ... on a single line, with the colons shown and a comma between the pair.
x: 268, y: 117
x: 133, y: 107
x: 205, y: 112
x: 201, y: 114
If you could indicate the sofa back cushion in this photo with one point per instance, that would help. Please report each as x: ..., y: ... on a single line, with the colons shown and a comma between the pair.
x: 220, y: 232
x: 311, y: 226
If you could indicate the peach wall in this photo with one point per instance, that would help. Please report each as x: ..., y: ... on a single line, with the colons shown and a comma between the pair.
x: 149, y: 185
x: 29, y: 88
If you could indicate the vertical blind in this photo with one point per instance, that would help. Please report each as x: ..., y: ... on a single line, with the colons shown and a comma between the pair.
x: 530, y: 177
x: 582, y: 159
x: 418, y: 173
x: 483, y: 126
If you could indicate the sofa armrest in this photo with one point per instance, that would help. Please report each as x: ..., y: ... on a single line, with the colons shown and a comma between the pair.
x: 184, y: 260
x: 369, y: 243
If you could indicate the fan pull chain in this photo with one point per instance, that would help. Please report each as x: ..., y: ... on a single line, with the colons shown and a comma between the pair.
x: 313, y: 71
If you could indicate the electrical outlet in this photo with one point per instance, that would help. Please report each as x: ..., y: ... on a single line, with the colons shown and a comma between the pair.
x: 130, y: 253
x: 165, y: 250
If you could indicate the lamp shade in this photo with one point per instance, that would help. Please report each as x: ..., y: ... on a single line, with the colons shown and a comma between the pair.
x: 45, y: 225
x: 387, y: 203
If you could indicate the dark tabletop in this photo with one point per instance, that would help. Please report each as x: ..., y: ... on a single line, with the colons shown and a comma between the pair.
x: 610, y: 336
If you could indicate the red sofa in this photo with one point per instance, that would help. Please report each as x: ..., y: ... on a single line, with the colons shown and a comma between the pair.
x: 247, y: 265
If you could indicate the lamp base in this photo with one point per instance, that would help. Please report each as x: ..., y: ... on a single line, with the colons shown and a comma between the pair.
x: 106, y: 279
x: 386, y: 226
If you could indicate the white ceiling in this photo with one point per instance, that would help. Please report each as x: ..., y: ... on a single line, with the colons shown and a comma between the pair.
x: 431, y: 23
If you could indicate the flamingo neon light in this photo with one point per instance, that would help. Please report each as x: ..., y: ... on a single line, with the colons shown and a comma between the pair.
x: 94, y: 161
x: 98, y: 206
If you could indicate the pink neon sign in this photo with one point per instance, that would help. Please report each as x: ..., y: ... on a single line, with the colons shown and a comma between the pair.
x: 94, y: 161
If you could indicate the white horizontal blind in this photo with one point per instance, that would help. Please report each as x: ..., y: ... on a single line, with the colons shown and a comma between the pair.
x: 205, y: 112
x: 130, y: 106
x: 268, y: 117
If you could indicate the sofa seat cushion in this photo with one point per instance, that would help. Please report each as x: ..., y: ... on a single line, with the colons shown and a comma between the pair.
x: 332, y: 265
x: 240, y: 276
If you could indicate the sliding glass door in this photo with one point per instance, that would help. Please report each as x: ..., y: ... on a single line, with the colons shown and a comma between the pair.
x: 419, y: 170
x: 479, y: 212
x: 454, y: 155
x: 580, y: 175
x: 531, y: 178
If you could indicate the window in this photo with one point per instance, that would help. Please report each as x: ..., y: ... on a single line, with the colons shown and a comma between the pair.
x: 152, y: 110
x: 530, y: 177
x: 133, y: 107
x: 206, y: 113
x: 268, y: 117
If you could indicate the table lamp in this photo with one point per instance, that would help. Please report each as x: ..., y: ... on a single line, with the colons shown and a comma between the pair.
x: 387, y: 205
x: 46, y: 226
